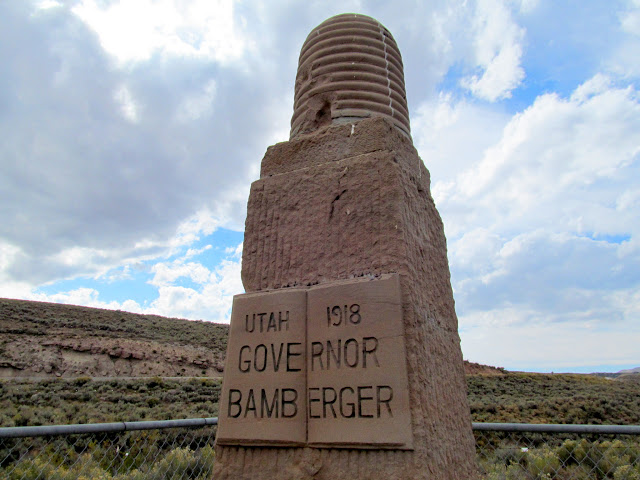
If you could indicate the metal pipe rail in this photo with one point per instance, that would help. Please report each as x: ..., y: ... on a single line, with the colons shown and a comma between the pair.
x: 17, y: 432
x: 557, y: 428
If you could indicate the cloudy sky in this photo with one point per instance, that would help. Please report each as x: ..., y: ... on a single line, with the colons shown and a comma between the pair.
x: 131, y: 131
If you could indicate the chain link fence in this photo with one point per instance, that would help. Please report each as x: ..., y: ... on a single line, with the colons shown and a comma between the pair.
x: 564, y: 452
x: 183, y: 449
x: 168, y: 450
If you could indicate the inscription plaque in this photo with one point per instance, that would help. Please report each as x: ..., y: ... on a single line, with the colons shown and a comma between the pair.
x: 263, y: 399
x: 357, y: 387
x: 323, y: 367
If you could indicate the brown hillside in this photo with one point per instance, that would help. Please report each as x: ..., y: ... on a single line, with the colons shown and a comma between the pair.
x: 40, y: 339
x: 471, y: 368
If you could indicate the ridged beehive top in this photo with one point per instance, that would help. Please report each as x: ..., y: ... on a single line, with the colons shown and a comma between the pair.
x: 350, y: 68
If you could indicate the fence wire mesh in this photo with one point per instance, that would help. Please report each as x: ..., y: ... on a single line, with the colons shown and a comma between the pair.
x: 187, y: 453
x: 168, y: 454
x: 545, y: 456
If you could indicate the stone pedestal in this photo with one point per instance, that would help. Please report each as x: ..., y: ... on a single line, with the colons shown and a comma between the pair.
x: 345, y: 202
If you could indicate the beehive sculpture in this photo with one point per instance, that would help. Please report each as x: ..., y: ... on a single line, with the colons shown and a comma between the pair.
x: 350, y: 68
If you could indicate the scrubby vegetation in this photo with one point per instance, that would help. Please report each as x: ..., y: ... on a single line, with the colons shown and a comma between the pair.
x: 564, y: 398
x: 577, y: 459
x: 157, y: 454
x: 148, y: 456
x: 81, y: 400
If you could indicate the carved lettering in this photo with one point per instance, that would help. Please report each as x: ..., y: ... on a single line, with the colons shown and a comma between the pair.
x: 282, y: 403
x: 359, y: 401
x: 340, y: 315
x: 267, y: 409
x: 335, y: 352
x: 270, y: 357
x: 386, y: 391
x: 289, y: 402
x: 251, y: 404
x: 255, y: 322
x: 276, y: 361
x: 316, y: 354
x: 362, y: 398
x: 291, y: 354
x: 350, y: 405
x: 272, y: 323
x: 244, y: 364
x: 234, y: 403
x: 329, y: 397
x: 351, y: 353
x: 369, y: 347
x: 304, y: 378
x: 260, y: 357
x: 311, y: 399
x: 284, y: 320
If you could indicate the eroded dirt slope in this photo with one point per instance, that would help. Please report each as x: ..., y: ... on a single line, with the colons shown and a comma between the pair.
x: 46, y: 339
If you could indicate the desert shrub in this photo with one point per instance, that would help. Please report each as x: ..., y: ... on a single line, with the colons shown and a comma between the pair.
x: 541, y: 398
x: 103, y: 462
x: 48, y: 402
x: 627, y: 472
x: 541, y: 463
x: 571, y: 459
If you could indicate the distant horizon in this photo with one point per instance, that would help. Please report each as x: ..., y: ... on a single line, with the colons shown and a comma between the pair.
x: 579, y: 369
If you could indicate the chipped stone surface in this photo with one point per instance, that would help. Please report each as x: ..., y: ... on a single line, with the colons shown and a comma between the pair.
x: 324, y: 146
x: 367, y: 213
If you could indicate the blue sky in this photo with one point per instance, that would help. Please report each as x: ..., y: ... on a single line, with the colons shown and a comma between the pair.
x: 133, y: 130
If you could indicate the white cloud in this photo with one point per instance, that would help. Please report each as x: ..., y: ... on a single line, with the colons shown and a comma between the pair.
x: 204, y: 222
x: 623, y: 60
x: 47, y: 4
x: 498, y: 51
x: 127, y: 104
x: 549, y: 155
x: 630, y: 19
x: 527, y: 6
x: 540, y: 212
x: 235, y: 252
x: 452, y: 134
x: 209, y: 299
x: 74, y: 256
x: 192, y: 252
x: 10, y: 255
x: 87, y: 297
x: 134, y: 30
x: 165, y: 274
x: 548, y: 346
x: 198, y: 104
x: 543, y: 230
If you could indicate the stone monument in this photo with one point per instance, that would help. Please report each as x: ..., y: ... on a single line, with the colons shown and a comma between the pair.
x: 344, y: 358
